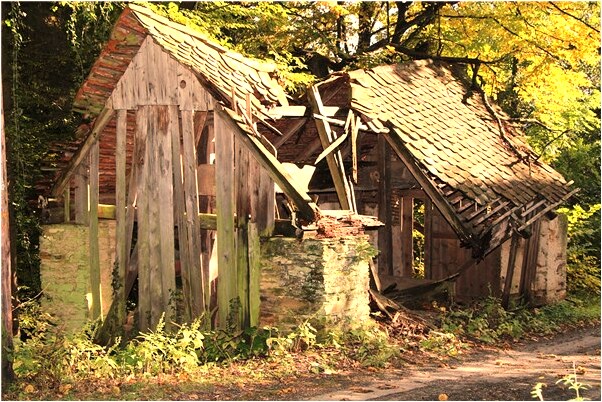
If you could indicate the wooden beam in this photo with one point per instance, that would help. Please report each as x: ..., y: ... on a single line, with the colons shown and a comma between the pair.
x: 142, y: 205
x: 292, y: 131
x: 355, y: 124
x: 385, y: 241
x: 81, y: 193
x: 167, y: 120
x: 407, y: 243
x: 99, y: 124
x: 287, y: 111
x: 335, y: 165
x: 120, y: 228
x: 67, y: 204
x: 547, y: 209
x: 428, y: 186
x: 331, y: 148
x: 226, y: 248
x: 254, y: 274
x: 180, y: 220
x: 307, y: 208
x: 96, y: 309
x: 242, y: 239
x: 510, y: 271
x: 199, y: 285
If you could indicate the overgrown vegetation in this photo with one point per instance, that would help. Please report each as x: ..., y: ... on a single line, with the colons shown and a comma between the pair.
x: 50, y: 364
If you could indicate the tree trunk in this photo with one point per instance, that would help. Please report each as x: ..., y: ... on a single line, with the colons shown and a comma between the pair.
x: 5, y: 251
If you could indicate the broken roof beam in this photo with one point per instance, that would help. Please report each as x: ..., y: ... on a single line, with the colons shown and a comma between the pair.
x: 429, y: 188
x: 547, y: 209
x: 307, y: 208
x: 99, y: 124
x: 335, y: 163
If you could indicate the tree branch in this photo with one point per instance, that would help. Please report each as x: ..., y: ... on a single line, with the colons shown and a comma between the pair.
x: 573, y: 16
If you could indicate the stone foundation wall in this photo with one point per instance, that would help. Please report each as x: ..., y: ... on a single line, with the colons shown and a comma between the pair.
x: 65, y: 271
x: 314, y: 278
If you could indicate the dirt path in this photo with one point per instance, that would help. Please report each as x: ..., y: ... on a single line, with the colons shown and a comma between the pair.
x: 494, y: 374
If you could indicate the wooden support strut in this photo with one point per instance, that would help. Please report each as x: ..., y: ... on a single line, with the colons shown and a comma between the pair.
x: 307, y: 208
x: 429, y: 188
x: 335, y: 162
x: 96, y: 310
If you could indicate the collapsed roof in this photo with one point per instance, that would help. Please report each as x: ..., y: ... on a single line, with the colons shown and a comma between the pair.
x: 476, y: 168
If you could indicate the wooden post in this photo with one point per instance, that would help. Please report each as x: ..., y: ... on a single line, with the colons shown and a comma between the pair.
x: 385, y: 258
x: 407, y: 243
x: 167, y: 116
x: 144, y: 307
x: 510, y: 271
x: 242, y: 239
x: 226, y: 247
x: 95, y: 286
x: 180, y: 215
x: 81, y: 193
x: 120, y: 210
x: 254, y: 274
x: 428, y: 237
x: 199, y: 286
x: 67, y: 204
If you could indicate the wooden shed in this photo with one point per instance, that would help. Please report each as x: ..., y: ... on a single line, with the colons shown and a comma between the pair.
x: 415, y: 135
x: 173, y: 143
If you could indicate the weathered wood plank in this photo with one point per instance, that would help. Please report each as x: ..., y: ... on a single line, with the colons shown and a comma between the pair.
x: 206, y: 179
x: 242, y: 212
x: 428, y: 236
x: 510, y: 271
x: 168, y: 117
x: 336, y: 169
x: 95, y: 286
x: 355, y: 128
x: 226, y: 247
x: 307, y: 208
x: 144, y: 296
x: 67, y: 204
x: 385, y: 258
x: 180, y: 217
x: 407, y: 227
x: 155, y: 230
x: 81, y: 193
x: 254, y: 253
x: 120, y: 227
x: 198, y: 283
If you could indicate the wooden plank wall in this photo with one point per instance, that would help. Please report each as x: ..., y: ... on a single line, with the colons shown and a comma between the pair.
x: 237, y: 175
x: 172, y: 180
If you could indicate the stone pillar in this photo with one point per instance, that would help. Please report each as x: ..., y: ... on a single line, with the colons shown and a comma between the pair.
x: 314, y: 279
x: 549, y: 285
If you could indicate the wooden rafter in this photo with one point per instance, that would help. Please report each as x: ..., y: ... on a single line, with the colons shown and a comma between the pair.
x: 335, y: 162
x: 99, y: 124
x: 307, y: 208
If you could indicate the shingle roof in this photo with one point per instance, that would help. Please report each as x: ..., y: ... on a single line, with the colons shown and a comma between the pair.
x: 220, y: 71
x: 453, y: 138
x: 215, y: 65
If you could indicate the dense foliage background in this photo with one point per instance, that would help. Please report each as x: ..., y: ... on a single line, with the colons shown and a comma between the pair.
x: 540, y: 61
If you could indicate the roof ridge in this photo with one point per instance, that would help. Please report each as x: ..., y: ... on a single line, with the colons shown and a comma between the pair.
x: 257, y: 64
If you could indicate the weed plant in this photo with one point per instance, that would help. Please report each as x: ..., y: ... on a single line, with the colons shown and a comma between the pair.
x: 487, y: 321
